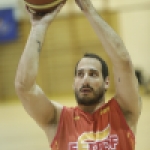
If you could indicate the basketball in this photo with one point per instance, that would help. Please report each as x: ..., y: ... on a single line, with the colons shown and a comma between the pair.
x: 42, y: 6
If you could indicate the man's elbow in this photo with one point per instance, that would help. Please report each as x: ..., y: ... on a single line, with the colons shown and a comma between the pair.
x: 19, y: 86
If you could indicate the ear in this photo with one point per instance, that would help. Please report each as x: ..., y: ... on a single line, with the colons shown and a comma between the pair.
x: 106, y: 82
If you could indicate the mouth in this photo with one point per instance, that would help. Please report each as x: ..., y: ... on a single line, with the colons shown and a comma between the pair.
x: 86, y: 90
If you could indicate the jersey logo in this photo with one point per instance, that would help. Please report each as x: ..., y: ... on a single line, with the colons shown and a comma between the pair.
x: 101, y: 140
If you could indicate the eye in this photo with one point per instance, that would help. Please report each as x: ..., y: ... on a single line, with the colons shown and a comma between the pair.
x: 80, y: 74
x: 93, y: 74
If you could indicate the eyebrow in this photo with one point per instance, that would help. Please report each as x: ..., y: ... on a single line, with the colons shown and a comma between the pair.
x: 94, y: 70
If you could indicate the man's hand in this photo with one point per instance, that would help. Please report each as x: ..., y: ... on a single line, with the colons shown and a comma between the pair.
x: 46, y: 19
x: 85, y: 5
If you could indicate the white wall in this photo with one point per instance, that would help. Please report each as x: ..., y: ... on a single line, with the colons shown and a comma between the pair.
x: 7, y: 2
x: 135, y: 28
x: 120, y: 3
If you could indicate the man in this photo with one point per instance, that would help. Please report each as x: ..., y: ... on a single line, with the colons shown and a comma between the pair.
x: 93, y: 124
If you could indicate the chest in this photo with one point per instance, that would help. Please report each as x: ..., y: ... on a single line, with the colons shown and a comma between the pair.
x: 104, y: 130
x: 97, y: 127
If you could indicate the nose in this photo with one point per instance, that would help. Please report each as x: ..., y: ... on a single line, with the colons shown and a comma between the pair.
x: 85, y: 79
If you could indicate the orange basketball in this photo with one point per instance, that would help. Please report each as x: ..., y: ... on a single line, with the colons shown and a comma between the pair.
x: 42, y: 6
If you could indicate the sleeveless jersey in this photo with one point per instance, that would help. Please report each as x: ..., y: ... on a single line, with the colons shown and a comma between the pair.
x: 105, y: 129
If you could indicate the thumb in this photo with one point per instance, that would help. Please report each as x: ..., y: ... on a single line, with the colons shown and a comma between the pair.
x: 60, y: 6
x: 79, y: 4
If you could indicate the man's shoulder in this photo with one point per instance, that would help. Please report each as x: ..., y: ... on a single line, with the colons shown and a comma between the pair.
x: 111, y: 101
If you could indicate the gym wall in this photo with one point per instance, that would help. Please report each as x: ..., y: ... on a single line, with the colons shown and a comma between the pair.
x: 67, y: 39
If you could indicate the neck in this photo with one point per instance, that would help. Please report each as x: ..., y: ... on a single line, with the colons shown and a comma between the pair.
x: 91, y: 109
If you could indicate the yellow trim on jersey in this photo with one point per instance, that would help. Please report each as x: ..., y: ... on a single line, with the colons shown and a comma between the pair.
x: 45, y: 6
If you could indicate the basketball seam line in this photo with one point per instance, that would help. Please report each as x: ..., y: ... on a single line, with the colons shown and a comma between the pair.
x: 43, y: 6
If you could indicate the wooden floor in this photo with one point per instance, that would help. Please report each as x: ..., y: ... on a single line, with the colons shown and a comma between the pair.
x: 19, y: 132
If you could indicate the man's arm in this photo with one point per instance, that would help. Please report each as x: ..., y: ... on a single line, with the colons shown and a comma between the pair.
x: 126, y: 85
x: 35, y: 102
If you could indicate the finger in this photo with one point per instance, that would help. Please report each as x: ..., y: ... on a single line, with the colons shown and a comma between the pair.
x: 79, y: 4
x: 59, y: 7
x: 32, y: 14
x: 28, y: 11
x: 54, y: 12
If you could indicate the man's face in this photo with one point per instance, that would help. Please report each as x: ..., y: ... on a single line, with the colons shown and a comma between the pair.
x: 89, y: 84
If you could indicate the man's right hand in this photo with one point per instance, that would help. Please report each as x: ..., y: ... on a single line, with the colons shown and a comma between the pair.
x: 45, y: 19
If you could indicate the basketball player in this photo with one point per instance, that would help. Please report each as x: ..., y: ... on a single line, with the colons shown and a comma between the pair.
x: 94, y: 124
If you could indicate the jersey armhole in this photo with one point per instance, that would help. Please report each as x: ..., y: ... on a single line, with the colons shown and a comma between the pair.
x: 122, y: 116
x: 59, y: 126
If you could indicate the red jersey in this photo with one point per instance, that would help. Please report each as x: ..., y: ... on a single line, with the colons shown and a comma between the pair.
x: 105, y: 129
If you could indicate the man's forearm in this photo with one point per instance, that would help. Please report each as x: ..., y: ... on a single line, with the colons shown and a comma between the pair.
x: 110, y: 40
x: 28, y: 65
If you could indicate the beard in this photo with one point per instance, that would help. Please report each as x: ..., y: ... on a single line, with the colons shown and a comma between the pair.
x: 88, y: 101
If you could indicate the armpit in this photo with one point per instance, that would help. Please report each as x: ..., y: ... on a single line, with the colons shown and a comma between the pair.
x: 54, y: 120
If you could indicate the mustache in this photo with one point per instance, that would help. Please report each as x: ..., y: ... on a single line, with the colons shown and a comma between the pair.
x: 86, y: 86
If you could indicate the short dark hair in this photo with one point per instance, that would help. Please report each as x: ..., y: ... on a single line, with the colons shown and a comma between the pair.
x: 105, y: 71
